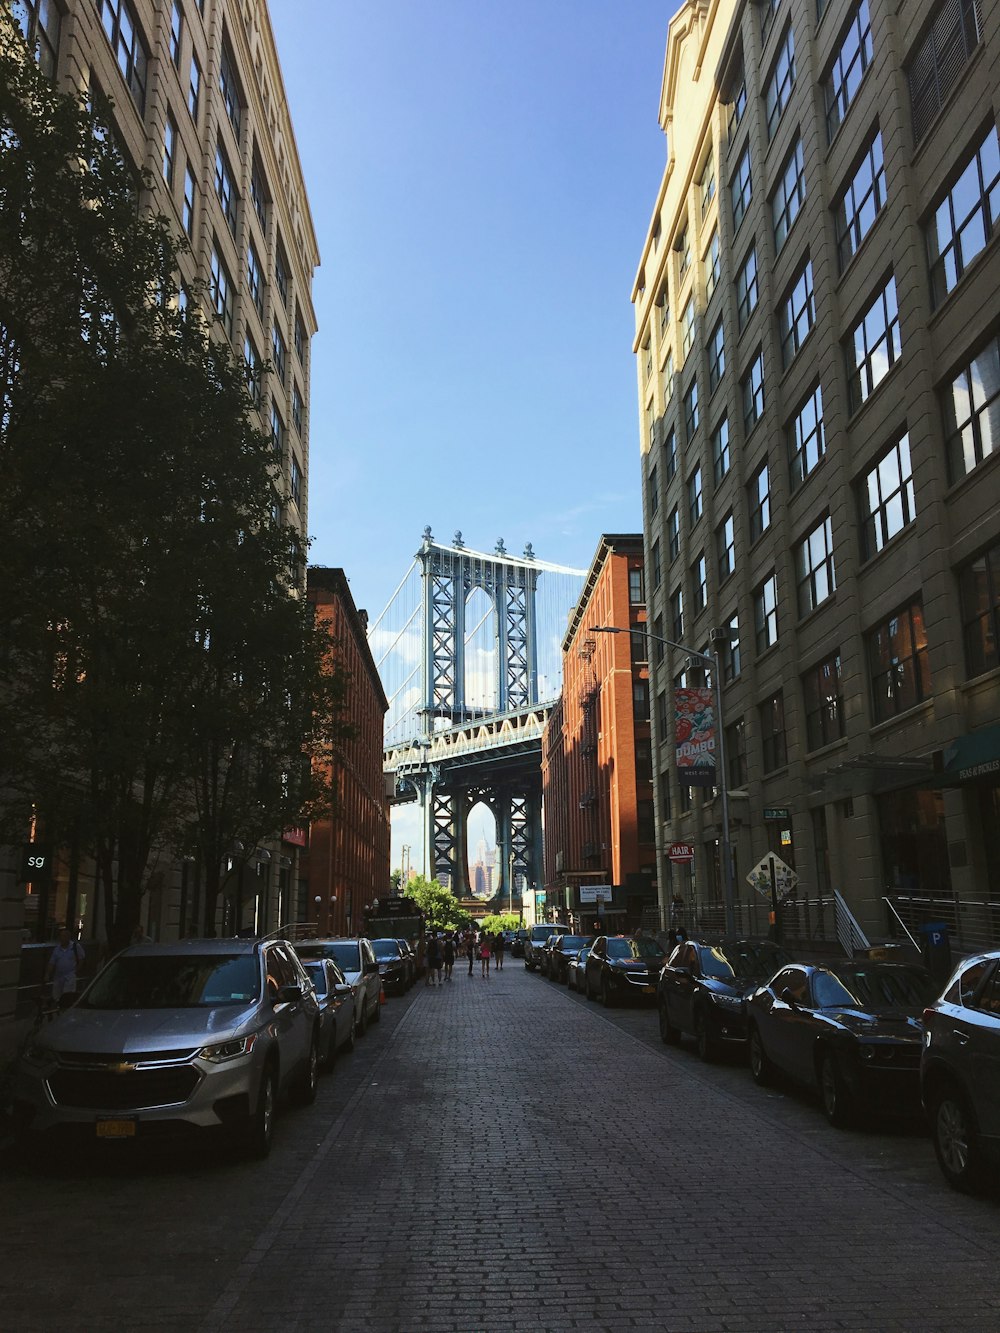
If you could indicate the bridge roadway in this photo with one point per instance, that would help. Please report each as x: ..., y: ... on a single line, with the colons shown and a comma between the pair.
x: 504, y: 1155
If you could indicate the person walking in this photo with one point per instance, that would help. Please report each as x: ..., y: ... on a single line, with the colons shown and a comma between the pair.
x: 433, y: 960
x: 470, y: 948
x: 499, y: 944
x: 484, y: 956
x: 449, y: 955
x: 62, y: 967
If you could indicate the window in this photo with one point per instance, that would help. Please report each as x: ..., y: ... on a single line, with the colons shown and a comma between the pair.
x: 746, y: 288
x: 720, y: 450
x: 252, y: 358
x: 695, y: 495
x: 677, y: 615
x: 176, y: 32
x: 674, y: 533
x: 875, y: 345
x: 979, y: 591
x: 691, y: 416
x: 759, y: 498
x: 807, y: 438
x: 725, y: 547
x: 670, y: 454
x: 122, y: 31
x: 281, y: 273
x: 815, y: 576
x: 753, y: 393
x: 736, y: 755
x: 668, y: 378
x: 972, y: 412
x: 187, y: 210
x: 297, y: 408
x: 658, y: 648
x: 654, y: 489
x: 886, y: 498
x: 230, y: 89
x: 853, y: 57
x: 657, y: 564
x: 300, y: 338
x: 737, y: 102
x: 169, y: 149
x: 255, y: 279
x: 768, y: 9
x: 772, y: 732
x: 965, y: 218
x: 765, y: 613
x: 789, y: 196
x: 194, y: 89
x: 645, y: 821
x: 732, y: 661
x: 39, y: 24
x: 683, y: 248
x: 940, y: 59
x: 296, y: 482
x: 861, y: 202
x: 713, y: 264
x: 741, y: 188
x: 897, y: 662
x: 687, y: 328
x: 636, y: 588
x: 663, y: 305
x: 797, y: 314
x: 780, y: 84
x: 221, y: 289
x: 640, y: 700
x: 651, y: 422
x: 716, y: 357
x: 823, y: 695
x: 699, y: 581
x: 224, y: 187
x: 278, y: 352
x: 707, y: 184
x: 277, y: 428
x: 259, y: 195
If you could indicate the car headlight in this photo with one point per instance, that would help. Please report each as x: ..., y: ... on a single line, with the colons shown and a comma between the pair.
x: 229, y: 1050
x: 731, y: 1002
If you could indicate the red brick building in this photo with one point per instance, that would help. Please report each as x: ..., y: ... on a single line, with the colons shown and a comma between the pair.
x: 347, y: 861
x: 597, y: 788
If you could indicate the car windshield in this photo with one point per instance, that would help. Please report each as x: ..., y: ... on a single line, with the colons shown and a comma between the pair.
x: 629, y: 948
x: 540, y: 934
x: 574, y: 941
x: 829, y: 992
x: 343, y: 952
x: 746, y: 959
x: 892, y: 986
x: 317, y: 975
x: 385, y: 950
x: 175, y: 981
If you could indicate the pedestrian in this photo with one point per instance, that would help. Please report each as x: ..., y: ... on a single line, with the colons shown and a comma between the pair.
x: 433, y: 957
x: 449, y: 955
x: 62, y: 966
x: 484, y: 956
x: 499, y: 944
x: 470, y: 948
x: 139, y: 936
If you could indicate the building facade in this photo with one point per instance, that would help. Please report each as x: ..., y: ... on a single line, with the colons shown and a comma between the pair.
x: 597, y: 796
x: 346, y: 866
x: 819, y: 370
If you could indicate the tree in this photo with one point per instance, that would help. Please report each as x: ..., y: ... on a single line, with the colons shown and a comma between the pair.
x: 439, y: 905
x: 501, y: 921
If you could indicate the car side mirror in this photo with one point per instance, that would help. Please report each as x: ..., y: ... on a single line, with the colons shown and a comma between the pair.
x: 370, y: 968
x: 342, y: 988
x: 288, y: 994
x: 789, y: 997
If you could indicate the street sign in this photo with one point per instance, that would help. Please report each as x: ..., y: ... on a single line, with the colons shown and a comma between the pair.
x: 592, y: 893
x: 785, y: 878
x: 36, y: 863
x: 777, y: 813
x: 681, y: 853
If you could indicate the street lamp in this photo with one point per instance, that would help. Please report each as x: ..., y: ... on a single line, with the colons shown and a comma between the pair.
x: 510, y: 883
x: 714, y: 663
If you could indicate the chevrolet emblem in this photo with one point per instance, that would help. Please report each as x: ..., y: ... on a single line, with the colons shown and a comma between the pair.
x: 124, y: 1068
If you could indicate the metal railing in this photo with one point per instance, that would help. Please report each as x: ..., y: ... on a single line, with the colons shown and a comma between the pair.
x: 973, y: 924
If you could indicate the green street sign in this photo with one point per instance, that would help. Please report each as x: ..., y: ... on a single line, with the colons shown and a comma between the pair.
x: 777, y: 812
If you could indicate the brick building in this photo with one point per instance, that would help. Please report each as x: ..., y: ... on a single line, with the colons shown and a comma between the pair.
x: 347, y: 862
x: 818, y: 359
x: 597, y: 795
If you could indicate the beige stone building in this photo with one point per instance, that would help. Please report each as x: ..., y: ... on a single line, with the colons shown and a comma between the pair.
x: 819, y: 388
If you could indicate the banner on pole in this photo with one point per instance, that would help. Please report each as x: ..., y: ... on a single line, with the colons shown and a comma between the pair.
x: 694, y: 737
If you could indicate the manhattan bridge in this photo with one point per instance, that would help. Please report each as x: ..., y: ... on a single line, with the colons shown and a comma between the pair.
x: 469, y: 650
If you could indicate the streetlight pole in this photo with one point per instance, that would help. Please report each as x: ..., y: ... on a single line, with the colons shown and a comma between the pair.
x: 714, y: 663
x: 510, y: 883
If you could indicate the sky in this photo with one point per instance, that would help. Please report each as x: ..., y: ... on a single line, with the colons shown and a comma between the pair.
x: 481, y: 175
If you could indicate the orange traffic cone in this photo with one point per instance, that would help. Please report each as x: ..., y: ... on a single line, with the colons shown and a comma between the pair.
x: 381, y: 995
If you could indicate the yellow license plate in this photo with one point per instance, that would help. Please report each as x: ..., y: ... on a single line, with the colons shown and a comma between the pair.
x: 117, y: 1128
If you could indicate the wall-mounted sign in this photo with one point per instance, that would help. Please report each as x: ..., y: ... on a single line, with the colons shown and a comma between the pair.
x: 681, y: 853
x: 36, y: 863
x: 694, y: 737
x: 777, y: 813
x: 592, y: 893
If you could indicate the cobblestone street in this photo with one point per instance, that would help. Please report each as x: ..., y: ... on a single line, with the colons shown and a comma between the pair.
x: 504, y: 1155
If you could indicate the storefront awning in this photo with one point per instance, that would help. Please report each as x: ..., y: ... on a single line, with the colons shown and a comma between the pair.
x: 973, y: 756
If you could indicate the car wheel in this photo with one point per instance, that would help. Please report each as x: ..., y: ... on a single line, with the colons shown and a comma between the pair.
x: 260, y: 1130
x: 669, y: 1035
x: 956, y: 1141
x: 605, y: 994
x: 304, y: 1093
x: 352, y: 1034
x: 377, y: 1012
x: 835, y: 1096
x: 326, y: 1063
x: 760, y: 1065
x: 704, y: 1044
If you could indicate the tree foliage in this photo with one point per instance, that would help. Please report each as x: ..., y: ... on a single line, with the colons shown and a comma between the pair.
x: 439, y: 905
x: 164, y: 687
x: 500, y: 921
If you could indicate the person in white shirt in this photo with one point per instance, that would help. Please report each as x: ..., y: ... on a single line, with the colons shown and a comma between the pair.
x: 64, y: 960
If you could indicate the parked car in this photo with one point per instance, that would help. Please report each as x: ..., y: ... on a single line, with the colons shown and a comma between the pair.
x: 392, y: 965
x: 576, y: 967
x: 410, y: 958
x: 356, y: 959
x: 545, y: 953
x: 517, y: 943
x: 960, y: 1072
x: 535, y: 941
x: 337, y: 1012
x: 852, y: 1031
x: 703, y: 989
x: 561, y: 949
x: 170, y: 1037
x: 621, y: 967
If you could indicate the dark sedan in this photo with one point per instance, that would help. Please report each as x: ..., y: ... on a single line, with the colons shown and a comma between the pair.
x: 393, y: 965
x: 704, y: 987
x: 851, y: 1030
x: 338, y: 1022
x: 576, y: 969
x: 563, y: 949
x: 621, y: 967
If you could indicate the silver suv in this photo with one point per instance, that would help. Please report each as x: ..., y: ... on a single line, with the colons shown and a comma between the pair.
x: 534, y: 944
x: 202, y: 1034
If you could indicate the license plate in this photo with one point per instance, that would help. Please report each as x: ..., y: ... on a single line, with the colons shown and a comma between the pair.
x: 117, y: 1127
x: 648, y: 990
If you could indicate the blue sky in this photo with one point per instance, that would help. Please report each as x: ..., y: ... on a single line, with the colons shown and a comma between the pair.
x: 481, y: 177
